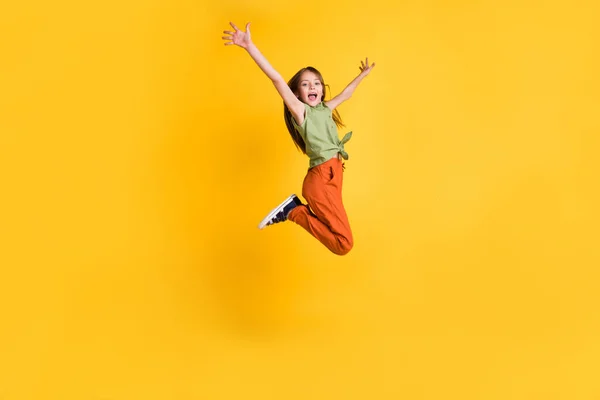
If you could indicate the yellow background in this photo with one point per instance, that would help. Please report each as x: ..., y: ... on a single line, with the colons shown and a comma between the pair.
x: 138, y: 154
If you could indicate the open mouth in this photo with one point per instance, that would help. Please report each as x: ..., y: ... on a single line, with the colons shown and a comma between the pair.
x: 312, y: 96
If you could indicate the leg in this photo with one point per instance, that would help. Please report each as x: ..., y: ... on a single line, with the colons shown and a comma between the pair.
x: 326, y: 219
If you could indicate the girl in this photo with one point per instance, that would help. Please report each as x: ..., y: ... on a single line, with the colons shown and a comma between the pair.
x: 311, y: 122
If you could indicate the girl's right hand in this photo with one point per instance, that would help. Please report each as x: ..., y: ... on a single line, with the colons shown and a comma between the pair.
x: 238, y: 37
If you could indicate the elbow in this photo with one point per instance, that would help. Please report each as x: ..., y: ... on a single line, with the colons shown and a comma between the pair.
x: 344, y: 99
x: 277, y: 79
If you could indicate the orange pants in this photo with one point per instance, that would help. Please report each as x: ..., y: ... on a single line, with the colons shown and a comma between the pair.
x: 325, y: 217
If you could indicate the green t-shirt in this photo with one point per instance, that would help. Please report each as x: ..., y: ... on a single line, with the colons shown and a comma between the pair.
x: 320, y: 135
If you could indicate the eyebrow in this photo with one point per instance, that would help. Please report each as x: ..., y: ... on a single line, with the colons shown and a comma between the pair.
x: 308, y: 80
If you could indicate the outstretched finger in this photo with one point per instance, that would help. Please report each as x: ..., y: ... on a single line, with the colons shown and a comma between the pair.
x: 228, y: 32
x: 227, y: 37
x: 248, y: 27
x: 234, y: 27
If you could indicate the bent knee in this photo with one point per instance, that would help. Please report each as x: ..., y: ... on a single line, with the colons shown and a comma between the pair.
x: 344, y: 248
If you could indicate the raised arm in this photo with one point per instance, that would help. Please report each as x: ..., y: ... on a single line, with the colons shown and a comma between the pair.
x: 365, y: 69
x: 242, y: 39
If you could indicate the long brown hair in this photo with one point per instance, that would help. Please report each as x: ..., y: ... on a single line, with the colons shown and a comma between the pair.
x: 294, y: 83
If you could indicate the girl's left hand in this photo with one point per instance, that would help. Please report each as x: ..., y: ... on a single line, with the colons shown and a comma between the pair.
x: 365, y: 68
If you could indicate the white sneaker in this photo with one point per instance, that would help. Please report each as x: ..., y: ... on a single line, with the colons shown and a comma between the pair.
x: 280, y: 213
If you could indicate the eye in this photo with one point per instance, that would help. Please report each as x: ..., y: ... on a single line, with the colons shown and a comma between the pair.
x: 317, y: 83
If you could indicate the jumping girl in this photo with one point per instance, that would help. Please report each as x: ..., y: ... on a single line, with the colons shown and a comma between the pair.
x: 312, y: 123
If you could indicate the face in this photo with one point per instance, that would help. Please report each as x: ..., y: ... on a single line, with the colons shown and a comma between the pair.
x: 310, y: 89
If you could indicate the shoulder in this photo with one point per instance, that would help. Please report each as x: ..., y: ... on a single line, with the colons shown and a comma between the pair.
x: 329, y: 106
x: 300, y: 115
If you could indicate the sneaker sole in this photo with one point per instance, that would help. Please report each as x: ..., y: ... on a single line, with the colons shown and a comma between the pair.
x: 287, y: 201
